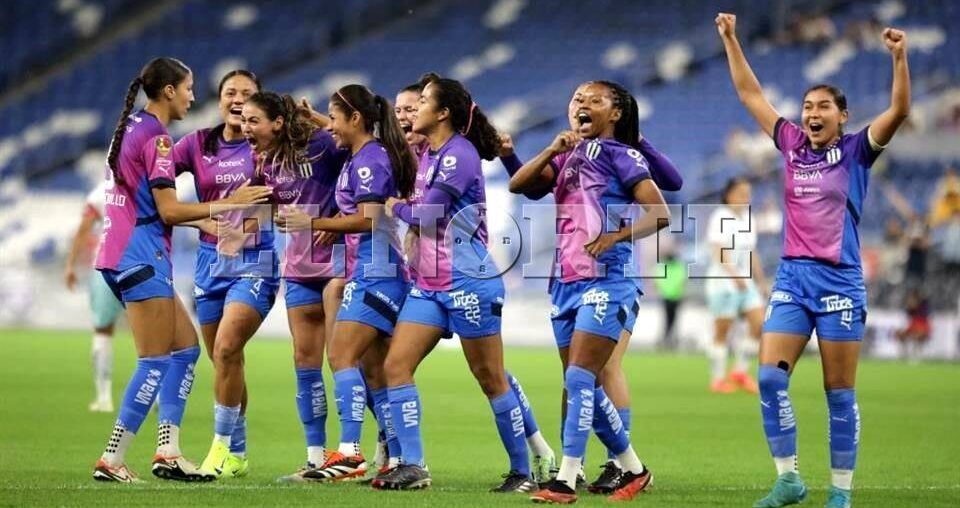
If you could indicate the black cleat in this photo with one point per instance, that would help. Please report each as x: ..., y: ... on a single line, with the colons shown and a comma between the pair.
x: 608, y: 481
x: 403, y: 477
x: 516, y: 482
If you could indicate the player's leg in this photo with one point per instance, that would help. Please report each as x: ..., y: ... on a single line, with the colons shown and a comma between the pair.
x: 752, y: 311
x: 614, y: 382
x: 544, y: 461
x: 387, y: 454
x: 307, y: 327
x: 723, y: 306
x: 105, y: 309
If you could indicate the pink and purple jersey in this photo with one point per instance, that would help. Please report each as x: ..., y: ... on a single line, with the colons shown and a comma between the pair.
x: 593, y: 190
x: 133, y: 233
x: 310, y: 185
x: 367, y: 177
x: 823, y: 194
x: 215, y: 175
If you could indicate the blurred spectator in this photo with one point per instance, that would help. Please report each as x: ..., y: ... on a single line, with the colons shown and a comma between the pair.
x: 755, y: 150
x: 808, y: 29
x: 892, y: 256
x: 917, y: 332
x: 946, y: 198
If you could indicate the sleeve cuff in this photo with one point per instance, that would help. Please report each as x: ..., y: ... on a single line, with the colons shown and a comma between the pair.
x: 162, y: 183
x: 876, y: 147
x: 449, y: 189
x: 776, y: 131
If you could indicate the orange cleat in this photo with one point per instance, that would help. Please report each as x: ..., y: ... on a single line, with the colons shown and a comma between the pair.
x: 722, y: 386
x: 631, y: 485
x: 555, y: 492
x: 744, y: 381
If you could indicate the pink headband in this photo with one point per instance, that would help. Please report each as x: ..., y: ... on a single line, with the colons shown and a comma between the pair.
x: 344, y: 99
x: 473, y: 106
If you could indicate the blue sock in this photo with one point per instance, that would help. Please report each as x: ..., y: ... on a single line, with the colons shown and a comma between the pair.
x: 312, y: 405
x: 844, y: 428
x: 530, y: 426
x: 607, y: 424
x: 624, y: 413
x: 238, y: 442
x: 142, y: 390
x: 225, y: 419
x: 381, y: 405
x: 374, y: 409
x: 509, y: 418
x: 779, y: 421
x: 177, y: 385
x: 351, y: 398
x: 580, y: 405
x: 406, y: 413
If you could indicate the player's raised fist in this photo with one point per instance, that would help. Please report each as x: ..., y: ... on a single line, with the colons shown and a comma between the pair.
x: 726, y: 24
x: 564, y: 142
x: 895, y: 40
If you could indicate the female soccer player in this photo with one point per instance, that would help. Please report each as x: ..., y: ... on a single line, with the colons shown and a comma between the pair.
x: 104, y: 306
x: 819, y: 284
x: 134, y: 259
x: 380, y: 166
x: 232, y: 300
x: 612, y: 378
x: 594, y: 173
x: 733, y: 283
x: 457, y: 289
x: 299, y: 162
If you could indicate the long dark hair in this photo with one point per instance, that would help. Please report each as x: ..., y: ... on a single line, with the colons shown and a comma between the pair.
x: 379, y: 120
x: 466, y: 118
x: 154, y: 76
x: 290, y: 145
x: 627, y: 128
x: 425, y: 79
x: 212, y: 141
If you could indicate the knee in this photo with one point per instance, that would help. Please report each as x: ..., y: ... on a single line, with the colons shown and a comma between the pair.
x: 397, y: 371
x: 492, y: 380
x: 339, y: 360
x: 307, y: 355
x: 840, y: 381
x: 772, y: 378
x: 227, y: 353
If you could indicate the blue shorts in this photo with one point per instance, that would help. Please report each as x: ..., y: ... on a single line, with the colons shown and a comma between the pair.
x: 604, y: 307
x: 298, y: 293
x: 809, y: 295
x: 373, y: 302
x: 213, y: 292
x: 474, y: 309
x: 104, y: 305
x: 141, y: 281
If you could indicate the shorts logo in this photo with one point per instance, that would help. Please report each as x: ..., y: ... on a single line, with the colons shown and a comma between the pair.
x: 846, y: 319
x: 348, y: 294
x: 835, y: 303
x: 197, y: 292
x: 470, y: 303
x: 415, y: 291
x: 554, y: 311
x: 780, y: 296
x: 600, y: 300
x: 255, y: 290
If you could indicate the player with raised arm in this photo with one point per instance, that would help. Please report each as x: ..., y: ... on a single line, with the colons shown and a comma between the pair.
x: 134, y: 260
x: 819, y: 284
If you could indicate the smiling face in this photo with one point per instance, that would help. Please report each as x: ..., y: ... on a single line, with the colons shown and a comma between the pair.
x: 822, y: 118
x: 429, y: 114
x: 344, y: 127
x: 591, y: 111
x: 181, y: 98
x: 406, y: 111
x: 233, y: 95
x: 257, y: 128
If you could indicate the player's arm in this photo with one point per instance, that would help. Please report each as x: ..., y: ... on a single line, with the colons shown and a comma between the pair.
x: 744, y: 80
x: 76, y: 245
x: 662, y: 170
x: 885, y: 126
x: 319, y: 119
x: 173, y: 212
x: 538, y: 174
x: 656, y: 217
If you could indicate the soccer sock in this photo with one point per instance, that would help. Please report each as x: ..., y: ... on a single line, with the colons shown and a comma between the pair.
x: 406, y: 413
x: 624, y: 413
x: 509, y: 419
x: 138, y: 398
x: 578, y: 423
x: 312, y: 407
x: 102, y: 355
x: 176, y: 385
x: 538, y: 445
x: 381, y: 404
x: 351, y: 397
x: 844, y: 435
x: 607, y: 424
x: 225, y: 422
x: 238, y: 441
x: 717, y: 353
x: 741, y: 354
x: 779, y: 421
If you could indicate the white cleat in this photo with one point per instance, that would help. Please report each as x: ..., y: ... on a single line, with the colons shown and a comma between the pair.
x: 101, y: 406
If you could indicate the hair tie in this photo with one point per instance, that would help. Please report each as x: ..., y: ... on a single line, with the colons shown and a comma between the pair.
x: 344, y: 99
x: 473, y: 106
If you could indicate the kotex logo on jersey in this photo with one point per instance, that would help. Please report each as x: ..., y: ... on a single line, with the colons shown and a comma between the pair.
x: 600, y: 300
x: 470, y: 303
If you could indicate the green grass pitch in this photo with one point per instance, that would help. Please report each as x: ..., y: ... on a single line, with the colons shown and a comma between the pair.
x: 705, y: 450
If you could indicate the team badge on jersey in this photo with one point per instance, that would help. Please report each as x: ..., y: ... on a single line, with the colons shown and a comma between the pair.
x: 164, y: 145
x: 834, y: 155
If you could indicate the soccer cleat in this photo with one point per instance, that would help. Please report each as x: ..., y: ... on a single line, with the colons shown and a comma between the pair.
x: 838, y: 498
x: 373, y: 474
x: 213, y: 463
x: 381, y: 456
x: 544, y: 468
x: 516, y: 482
x: 789, y: 489
x: 298, y: 477
x: 179, y: 469
x: 234, y: 466
x: 403, y: 477
x: 631, y: 484
x: 555, y: 492
x: 338, y: 467
x: 722, y: 386
x: 120, y: 474
x: 101, y: 406
x: 608, y: 481
x: 744, y: 381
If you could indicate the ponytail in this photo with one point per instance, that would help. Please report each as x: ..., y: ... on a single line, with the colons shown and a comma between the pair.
x: 121, y: 128
x: 466, y: 117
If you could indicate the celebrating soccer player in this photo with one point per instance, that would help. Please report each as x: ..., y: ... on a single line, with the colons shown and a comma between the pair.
x: 819, y: 284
